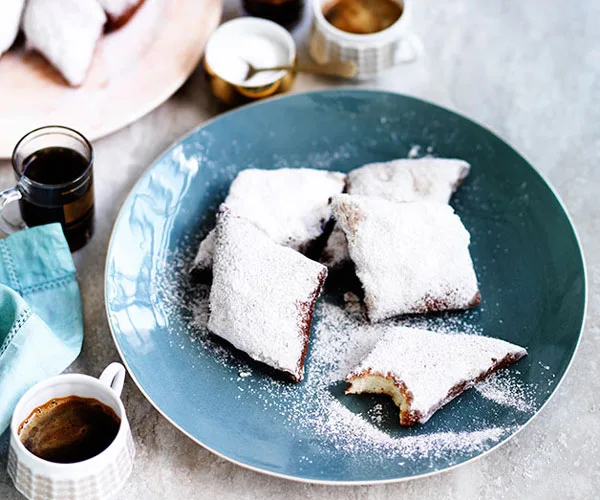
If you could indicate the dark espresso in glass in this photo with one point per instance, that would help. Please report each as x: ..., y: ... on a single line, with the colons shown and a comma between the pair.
x: 53, y: 166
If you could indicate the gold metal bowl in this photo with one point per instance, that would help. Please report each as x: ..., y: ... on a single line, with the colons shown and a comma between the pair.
x: 250, y: 39
x: 235, y: 94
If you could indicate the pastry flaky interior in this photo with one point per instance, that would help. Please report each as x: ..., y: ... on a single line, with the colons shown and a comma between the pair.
x: 423, y: 370
x: 410, y: 257
x: 291, y: 205
x: 403, y: 180
x: 263, y: 295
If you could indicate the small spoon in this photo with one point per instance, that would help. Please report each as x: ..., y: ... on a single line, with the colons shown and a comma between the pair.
x: 340, y: 69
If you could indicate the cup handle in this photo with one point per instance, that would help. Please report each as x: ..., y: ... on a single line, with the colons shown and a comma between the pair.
x: 113, y: 376
x: 408, y: 48
x: 7, y: 196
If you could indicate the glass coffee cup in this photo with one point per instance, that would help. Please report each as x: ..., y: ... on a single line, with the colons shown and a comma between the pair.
x: 53, y: 166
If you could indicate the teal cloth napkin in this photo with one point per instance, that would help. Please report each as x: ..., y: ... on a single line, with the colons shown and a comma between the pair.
x: 41, y: 323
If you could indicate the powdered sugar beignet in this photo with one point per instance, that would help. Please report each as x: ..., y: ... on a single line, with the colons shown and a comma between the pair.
x: 263, y: 295
x: 409, y: 257
x: 290, y: 204
x: 423, y: 370
x: 10, y: 19
x: 424, y: 179
x: 65, y: 32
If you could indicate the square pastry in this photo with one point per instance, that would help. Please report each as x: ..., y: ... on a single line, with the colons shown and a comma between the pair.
x: 263, y: 295
x: 409, y: 257
x: 423, y: 370
x: 424, y: 179
x: 291, y: 205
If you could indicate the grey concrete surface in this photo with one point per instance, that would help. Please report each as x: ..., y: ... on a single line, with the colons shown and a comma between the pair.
x: 530, y: 71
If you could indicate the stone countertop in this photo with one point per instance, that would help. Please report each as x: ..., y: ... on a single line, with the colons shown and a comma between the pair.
x: 530, y: 71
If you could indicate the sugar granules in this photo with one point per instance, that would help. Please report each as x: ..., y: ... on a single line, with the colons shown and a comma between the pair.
x: 340, y: 339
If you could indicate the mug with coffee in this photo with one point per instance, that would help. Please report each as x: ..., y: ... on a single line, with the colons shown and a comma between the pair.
x: 372, y: 33
x: 54, y: 170
x: 70, y: 438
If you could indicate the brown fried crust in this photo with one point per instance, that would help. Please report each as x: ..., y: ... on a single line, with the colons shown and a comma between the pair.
x: 306, y: 310
x: 411, y: 417
x: 431, y: 305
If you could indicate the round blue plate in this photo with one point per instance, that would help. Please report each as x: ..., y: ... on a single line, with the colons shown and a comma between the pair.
x: 526, y: 253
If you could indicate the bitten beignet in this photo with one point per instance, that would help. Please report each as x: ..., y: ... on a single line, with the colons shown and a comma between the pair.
x: 423, y: 370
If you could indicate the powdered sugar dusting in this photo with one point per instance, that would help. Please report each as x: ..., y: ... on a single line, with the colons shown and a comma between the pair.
x: 505, y: 390
x: 409, y: 257
x: 340, y: 339
x: 262, y: 294
x: 434, y: 444
x: 430, y: 364
x: 290, y: 205
x: 402, y: 180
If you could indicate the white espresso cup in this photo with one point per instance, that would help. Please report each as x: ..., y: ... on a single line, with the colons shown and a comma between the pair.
x: 99, y: 477
x: 373, y: 53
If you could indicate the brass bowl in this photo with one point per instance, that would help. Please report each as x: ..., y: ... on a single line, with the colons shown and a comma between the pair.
x: 235, y: 94
x: 244, y: 38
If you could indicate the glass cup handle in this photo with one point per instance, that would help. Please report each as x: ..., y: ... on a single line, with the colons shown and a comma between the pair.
x: 408, y: 48
x: 113, y: 376
x: 7, y: 196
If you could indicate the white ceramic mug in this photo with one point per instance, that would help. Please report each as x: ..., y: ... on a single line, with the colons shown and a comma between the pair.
x: 99, y: 477
x: 372, y: 53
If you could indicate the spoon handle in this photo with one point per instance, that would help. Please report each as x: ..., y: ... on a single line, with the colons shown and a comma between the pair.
x: 340, y: 69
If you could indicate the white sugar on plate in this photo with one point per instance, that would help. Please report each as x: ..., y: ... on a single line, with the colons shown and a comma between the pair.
x: 340, y: 339
x: 505, y: 390
x: 342, y: 426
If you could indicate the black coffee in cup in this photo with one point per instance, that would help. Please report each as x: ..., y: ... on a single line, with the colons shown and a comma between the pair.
x: 70, y: 429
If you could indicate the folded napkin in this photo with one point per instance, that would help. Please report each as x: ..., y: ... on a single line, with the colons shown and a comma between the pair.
x: 41, y: 323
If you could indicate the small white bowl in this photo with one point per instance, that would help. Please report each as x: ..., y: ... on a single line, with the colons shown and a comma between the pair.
x: 373, y: 53
x: 258, y: 41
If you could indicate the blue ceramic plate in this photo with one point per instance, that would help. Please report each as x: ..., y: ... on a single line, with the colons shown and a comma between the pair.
x: 526, y: 253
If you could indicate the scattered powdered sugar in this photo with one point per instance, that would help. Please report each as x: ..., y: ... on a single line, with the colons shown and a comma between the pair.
x: 415, y: 151
x: 503, y: 389
x: 341, y: 421
x: 340, y: 339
